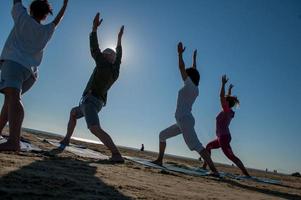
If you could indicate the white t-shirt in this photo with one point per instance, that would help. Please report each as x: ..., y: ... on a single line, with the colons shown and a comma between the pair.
x: 186, y: 97
x: 27, y: 39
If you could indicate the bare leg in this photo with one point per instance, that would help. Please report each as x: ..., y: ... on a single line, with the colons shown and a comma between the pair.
x: 4, y: 115
x: 211, y: 145
x: 15, y: 118
x: 169, y: 132
x: 70, y: 128
x: 241, y: 166
x: 229, y: 153
x: 108, y: 142
x: 159, y: 160
x: 207, y: 158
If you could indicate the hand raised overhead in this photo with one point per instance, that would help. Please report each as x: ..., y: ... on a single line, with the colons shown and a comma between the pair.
x: 97, y: 22
x: 224, y: 79
x: 66, y: 2
x: 195, y: 54
x: 181, y: 49
x: 120, y: 34
x: 194, y: 58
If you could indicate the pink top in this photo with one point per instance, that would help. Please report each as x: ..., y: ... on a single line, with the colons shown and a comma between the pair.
x: 223, y: 120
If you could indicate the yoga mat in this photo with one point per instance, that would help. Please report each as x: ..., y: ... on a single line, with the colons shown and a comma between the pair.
x: 167, y: 167
x: 199, y: 171
x: 259, y: 179
x: 79, y: 151
x: 252, y: 178
x: 25, y: 146
x: 144, y: 162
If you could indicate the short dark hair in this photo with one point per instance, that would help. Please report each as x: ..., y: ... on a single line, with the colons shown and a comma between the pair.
x: 232, y: 101
x: 40, y: 8
x: 194, y: 75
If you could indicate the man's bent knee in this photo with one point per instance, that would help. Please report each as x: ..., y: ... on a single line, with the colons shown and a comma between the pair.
x: 162, y: 136
x: 73, y: 113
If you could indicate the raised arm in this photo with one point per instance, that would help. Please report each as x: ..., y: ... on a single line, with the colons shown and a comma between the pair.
x: 194, y: 58
x: 181, y: 50
x: 230, y: 89
x: 17, y: 1
x: 223, y: 101
x: 94, y: 46
x: 119, y: 46
x: 61, y: 13
x: 120, y: 34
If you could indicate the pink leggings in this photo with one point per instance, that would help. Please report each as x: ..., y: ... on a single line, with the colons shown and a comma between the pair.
x: 224, y: 143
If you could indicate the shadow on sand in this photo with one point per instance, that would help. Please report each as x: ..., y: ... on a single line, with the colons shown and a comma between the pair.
x: 56, y: 178
x: 263, y: 191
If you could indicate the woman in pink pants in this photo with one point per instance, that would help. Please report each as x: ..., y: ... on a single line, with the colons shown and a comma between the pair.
x: 223, y: 120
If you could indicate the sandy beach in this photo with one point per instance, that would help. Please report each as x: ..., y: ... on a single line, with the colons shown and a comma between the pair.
x: 28, y: 175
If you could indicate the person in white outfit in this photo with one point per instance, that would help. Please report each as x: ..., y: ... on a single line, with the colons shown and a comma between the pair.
x: 184, y: 119
x: 19, y: 61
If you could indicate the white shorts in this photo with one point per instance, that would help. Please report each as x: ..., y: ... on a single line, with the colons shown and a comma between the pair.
x: 15, y: 75
x: 185, y: 126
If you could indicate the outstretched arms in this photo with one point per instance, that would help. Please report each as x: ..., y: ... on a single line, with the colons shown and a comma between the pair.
x: 224, y: 81
x: 94, y: 46
x: 194, y: 58
x: 96, y: 22
x: 120, y: 34
x: 230, y: 89
x: 119, y: 46
x: 223, y: 101
x: 181, y: 50
x: 61, y: 13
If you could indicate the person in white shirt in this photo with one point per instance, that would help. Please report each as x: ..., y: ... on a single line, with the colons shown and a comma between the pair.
x: 184, y: 118
x: 19, y: 61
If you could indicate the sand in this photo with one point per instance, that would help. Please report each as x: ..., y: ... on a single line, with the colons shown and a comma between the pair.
x: 66, y: 176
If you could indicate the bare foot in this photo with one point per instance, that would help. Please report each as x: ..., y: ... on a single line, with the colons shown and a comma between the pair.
x: 8, y: 146
x: 65, y: 142
x: 214, y: 174
x: 157, y: 162
x: 116, y: 158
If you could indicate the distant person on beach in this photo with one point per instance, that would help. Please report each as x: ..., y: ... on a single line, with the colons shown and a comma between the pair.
x: 223, y: 120
x: 19, y: 61
x: 142, y: 147
x: 94, y: 96
x: 184, y: 118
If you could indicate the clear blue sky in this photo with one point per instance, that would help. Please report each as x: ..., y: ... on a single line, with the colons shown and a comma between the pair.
x: 256, y: 42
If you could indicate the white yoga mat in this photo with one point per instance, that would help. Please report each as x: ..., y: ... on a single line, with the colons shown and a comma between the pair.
x: 167, y: 167
x: 259, y: 179
x: 79, y: 150
x: 198, y: 171
x: 25, y: 146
